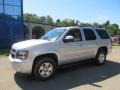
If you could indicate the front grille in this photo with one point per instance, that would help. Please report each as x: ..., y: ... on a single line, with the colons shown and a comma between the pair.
x: 13, y: 53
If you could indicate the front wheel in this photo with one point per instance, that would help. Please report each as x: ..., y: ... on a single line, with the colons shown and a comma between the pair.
x: 101, y: 57
x: 44, y: 69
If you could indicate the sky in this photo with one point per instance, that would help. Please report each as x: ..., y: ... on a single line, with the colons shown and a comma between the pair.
x: 83, y: 10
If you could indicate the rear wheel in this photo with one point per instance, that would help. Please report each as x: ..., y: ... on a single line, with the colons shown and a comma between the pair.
x: 44, y: 69
x: 101, y: 57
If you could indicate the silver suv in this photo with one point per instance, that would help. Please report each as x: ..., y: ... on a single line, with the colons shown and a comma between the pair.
x: 59, y: 46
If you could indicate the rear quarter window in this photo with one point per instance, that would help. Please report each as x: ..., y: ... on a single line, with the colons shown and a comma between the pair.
x: 103, y: 34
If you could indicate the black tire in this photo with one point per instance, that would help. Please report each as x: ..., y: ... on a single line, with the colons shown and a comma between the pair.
x: 100, y: 53
x: 37, y: 69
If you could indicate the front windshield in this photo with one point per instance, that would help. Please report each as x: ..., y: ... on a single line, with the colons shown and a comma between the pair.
x: 53, y: 34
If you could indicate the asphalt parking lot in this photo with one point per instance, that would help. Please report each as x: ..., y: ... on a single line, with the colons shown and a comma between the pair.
x: 79, y: 77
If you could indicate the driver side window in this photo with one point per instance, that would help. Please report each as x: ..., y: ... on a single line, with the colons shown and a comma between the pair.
x: 76, y: 34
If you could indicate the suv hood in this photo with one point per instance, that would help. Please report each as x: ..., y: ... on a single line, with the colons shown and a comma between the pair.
x: 29, y: 43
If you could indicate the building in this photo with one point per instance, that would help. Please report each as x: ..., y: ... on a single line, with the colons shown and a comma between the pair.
x: 11, y: 22
x: 33, y: 30
x: 12, y: 27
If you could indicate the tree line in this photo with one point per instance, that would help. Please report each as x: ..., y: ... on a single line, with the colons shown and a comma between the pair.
x: 112, y: 28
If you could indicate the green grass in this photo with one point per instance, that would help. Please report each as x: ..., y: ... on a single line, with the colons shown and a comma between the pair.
x: 4, y: 52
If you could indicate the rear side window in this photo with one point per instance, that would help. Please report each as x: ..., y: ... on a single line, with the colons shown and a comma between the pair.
x: 103, y: 34
x: 89, y: 34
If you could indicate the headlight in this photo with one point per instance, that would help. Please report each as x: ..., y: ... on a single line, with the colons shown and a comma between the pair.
x: 22, y: 54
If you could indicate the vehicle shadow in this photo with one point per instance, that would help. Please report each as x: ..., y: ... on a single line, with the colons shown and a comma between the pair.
x: 70, y: 77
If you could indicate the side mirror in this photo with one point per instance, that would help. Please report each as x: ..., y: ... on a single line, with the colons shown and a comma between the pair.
x: 68, y: 39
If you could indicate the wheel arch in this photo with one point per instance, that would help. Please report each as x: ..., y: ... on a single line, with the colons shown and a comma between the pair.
x: 50, y: 55
x: 104, y: 48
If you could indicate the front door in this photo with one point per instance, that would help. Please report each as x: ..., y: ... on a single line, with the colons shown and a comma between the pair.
x: 72, y: 50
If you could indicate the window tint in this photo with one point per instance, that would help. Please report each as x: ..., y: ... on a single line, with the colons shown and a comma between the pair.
x: 103, y: 34
x: 76, y: 34
x: 89, y: 34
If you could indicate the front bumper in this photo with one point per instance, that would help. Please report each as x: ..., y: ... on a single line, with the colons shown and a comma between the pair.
x: 21, y: 66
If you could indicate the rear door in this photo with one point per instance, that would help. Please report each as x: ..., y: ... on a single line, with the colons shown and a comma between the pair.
x: 90, y: 42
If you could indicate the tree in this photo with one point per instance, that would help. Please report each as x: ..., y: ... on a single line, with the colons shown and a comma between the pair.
x: 49, y: 20
x: 95, y: 24
x: 106, y: 24
x: 77, y: 22
x: 30, y: 17
x: 68, y: 22
x: 119, y: 32
x: 113, y: 29
x: 42, y: 19
x: 85, y: 24
x: 58, y: 22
